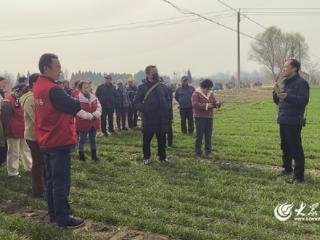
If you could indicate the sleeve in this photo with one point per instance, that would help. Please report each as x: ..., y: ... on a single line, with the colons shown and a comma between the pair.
x: 97, y: 113
x: 29, y: 108
x: 138, y: 99
x: 62, y: 102
x: 98, y: 92
x: 301, y: 99
x: 176, y: 95
x: 197, y: 105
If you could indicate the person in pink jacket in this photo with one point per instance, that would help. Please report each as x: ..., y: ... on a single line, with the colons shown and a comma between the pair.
x: 89, y: 103
x: 17, y: 146
x: 203, y: 103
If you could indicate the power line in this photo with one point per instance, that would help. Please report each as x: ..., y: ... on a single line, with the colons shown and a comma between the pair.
x: 122, y: 27
x: 250, y: 19
x: 188, y: 12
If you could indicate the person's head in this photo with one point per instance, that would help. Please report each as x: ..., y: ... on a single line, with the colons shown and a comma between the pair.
x: 291, y: 67
x: 130, y: 82
x: 119, y: 84
x: 107, y: 79
x: 84, y: 87
x: 66, y: 84
x: 152, y: 73
x: 206, y: 86
x: 3, y: 83
x: 49, y: 66
x: 33, y: 79
x: 75, y: 85
x: 184, y: 81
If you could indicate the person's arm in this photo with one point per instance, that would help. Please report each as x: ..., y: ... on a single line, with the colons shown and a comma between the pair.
x: 176, y: 95
x: 63, y: 102
x: 138, y: 99
x: 302, y: 98
x: 197, y: 105
x: 98, y: 111
x: 28, y: 107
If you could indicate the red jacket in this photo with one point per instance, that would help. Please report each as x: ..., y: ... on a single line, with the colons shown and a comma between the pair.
x: 91, y: 105
x: 75, y: 93
x: 16, y: 122
x: 200, y: 104
x: 54, y: 129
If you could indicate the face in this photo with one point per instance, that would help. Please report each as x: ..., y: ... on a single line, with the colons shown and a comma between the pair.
x: 85, y: 88
x: 206, y: 90
x: 184, y: 83
x: 66, y: 84
x: 288, y: 70
x: 108, y: 81
x: 54, y: 70
x: 3, y: 84
x: 153, y: 74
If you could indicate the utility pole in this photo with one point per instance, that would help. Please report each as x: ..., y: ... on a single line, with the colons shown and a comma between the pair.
x: 238, y: 43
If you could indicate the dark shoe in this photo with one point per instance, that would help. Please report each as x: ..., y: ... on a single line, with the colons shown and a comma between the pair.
x: 106, y: 134
x: 146, y: 161
x: 112, y: 130
x: 73, y: 223
x: 125, y: 129
x: 198, y: 156
x: 284, y: 173
x: 295, y: 181
x: 94, y: 155
x: 81, y: 156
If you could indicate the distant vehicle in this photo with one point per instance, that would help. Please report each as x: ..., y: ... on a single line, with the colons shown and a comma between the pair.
x: 257, y: 84
x: 217, y: 86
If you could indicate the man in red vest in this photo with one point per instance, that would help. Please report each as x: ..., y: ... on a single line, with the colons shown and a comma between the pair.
x: 56, y: 135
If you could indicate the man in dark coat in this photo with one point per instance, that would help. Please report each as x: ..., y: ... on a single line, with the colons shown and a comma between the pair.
x: 106, y: 93
x: 292, y: 101
x: 183, y: 96
x: 132, y: 111
x: 153, y: 101
x: 122, y: 106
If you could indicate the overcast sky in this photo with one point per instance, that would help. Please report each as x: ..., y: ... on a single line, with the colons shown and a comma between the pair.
x: 201, y: 46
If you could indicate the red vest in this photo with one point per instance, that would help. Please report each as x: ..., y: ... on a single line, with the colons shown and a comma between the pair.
x: 53, y: 129
x: 90, y: 106
x: 16, y: 124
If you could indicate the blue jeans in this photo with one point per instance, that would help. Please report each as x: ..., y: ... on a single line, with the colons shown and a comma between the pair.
x: 203, y: 128
x: 58, y: 181
x: 83, y: 138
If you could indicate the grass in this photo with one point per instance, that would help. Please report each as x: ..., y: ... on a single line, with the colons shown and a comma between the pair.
x: 188, y: 199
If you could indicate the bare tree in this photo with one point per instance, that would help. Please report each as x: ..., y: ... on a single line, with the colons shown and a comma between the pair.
x: 274, y: 47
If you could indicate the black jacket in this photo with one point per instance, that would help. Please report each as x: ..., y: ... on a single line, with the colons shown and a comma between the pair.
x: 107, y: 95
x: 122, y: 99
x: 291, y: 109
x: 156, y: 109
x: 132, y: 91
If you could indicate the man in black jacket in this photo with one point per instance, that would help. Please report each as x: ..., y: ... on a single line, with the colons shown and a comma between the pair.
x: 153, y: 101
x: 106, y: 93
x: 132, y: 111
x: 292, y: 101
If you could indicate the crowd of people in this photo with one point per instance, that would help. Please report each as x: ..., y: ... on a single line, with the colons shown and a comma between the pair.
x: 43, y: 119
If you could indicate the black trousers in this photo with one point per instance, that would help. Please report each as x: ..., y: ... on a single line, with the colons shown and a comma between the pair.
x: 107, y: 113
x: 203, y: 128
x: 291, y: 146
x: 161, y: 139
x: 186, y: 115
x: 3, y: 154
x: 169, y: 137
x: 132, y: 117
x: 121, y: 114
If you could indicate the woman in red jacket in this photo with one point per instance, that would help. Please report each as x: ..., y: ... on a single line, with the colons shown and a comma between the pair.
x: 203, y: 102
x: 89, y: 103
x: 17, y: 146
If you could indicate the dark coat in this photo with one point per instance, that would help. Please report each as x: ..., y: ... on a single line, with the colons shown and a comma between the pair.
x: 132, y: 92
x: 122, y: 99
x: 107, y: 96
x: 292, y: 108
x: 156, y: 109
x: 183, y: 96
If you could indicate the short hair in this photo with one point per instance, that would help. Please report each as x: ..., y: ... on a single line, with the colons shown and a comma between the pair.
x: 33, y: 79
x: 2, y: 79
x: 207, y: 83
x: 147, y: 70
x: 295, y: 64
x: 46, y: 61
x: 81, y: 83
